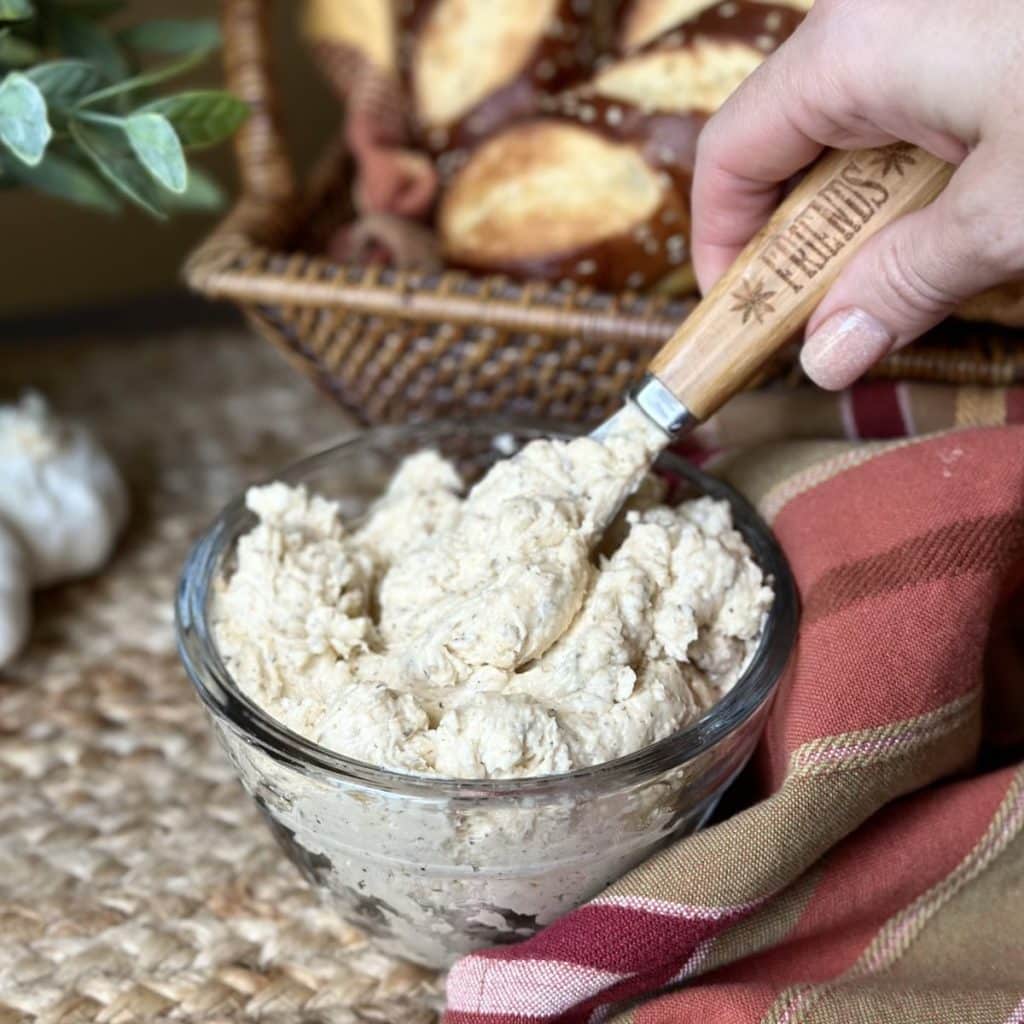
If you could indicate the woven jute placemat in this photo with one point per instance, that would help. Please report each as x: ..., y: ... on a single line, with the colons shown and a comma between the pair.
x: 137, y: 882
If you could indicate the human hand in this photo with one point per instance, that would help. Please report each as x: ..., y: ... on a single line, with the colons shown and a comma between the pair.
x: 943, y: 74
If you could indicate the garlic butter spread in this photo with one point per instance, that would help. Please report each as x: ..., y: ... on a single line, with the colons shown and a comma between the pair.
x: 485, y: 635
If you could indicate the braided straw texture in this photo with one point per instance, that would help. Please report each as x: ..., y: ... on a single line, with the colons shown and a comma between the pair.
x: 137, y: 882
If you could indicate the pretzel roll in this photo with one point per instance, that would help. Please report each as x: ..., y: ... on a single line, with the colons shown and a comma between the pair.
x: 644, y: 21
x: 559, y: 199
x: 696, y: 64
x: 472, y: 67
x: 663, y: 95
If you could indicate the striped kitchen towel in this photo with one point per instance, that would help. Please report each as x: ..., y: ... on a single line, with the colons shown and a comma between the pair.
x: 879, y: 876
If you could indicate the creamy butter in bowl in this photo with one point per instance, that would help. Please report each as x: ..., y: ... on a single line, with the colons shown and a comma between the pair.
x: 462, y: 703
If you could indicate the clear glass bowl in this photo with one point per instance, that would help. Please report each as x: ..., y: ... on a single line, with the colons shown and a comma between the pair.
x: 435, y: 867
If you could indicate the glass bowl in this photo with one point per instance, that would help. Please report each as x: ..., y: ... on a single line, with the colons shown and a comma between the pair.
x: 438, y: 867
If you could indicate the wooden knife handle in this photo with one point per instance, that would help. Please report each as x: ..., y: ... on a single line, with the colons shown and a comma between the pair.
x: 773, y: 288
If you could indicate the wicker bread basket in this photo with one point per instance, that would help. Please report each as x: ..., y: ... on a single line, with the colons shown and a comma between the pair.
x: 391, y: 346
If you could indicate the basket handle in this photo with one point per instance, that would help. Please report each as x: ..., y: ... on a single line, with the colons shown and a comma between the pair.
x: 264, y: 168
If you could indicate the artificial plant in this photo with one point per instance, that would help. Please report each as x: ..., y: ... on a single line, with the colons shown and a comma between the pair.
x: 80, y: 115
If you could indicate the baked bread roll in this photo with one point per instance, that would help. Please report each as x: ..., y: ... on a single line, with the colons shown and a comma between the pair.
x: 665, y: 93
x: 694, y: 65
x: 644, y: 21
x: 597, y: 191
x: 472, y: 67
x: 553, y: 198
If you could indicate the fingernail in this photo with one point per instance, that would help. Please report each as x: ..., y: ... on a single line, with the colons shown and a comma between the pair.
x: 844, y: 347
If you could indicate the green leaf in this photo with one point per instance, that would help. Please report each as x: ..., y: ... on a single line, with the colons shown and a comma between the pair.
x: 16, y: 10
x: 144, y: 81
x: 17, y: 52
x: 65, y: 178
x: 157, y: 146
x: 203, y: 194
x: 172, y: 35
x: 77, y: 36
x: 106, y: 147
x: 24, y: 127
x: 202, y: 117
x: 64, y: 82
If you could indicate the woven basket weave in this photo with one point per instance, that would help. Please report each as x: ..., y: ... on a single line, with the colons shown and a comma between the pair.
x: 390, y: 346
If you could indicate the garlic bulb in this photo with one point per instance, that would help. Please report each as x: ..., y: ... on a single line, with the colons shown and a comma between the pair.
x: 15, y: 595
x: 60, y: 493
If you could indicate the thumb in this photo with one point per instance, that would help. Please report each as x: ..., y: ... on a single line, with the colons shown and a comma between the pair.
x: 913, y: 274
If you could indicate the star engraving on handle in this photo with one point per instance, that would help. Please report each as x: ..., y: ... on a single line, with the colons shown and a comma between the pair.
x: 894, y: 158
x: 754, y: 301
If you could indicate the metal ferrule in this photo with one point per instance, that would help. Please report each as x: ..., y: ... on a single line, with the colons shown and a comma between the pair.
x: 660, y: 406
